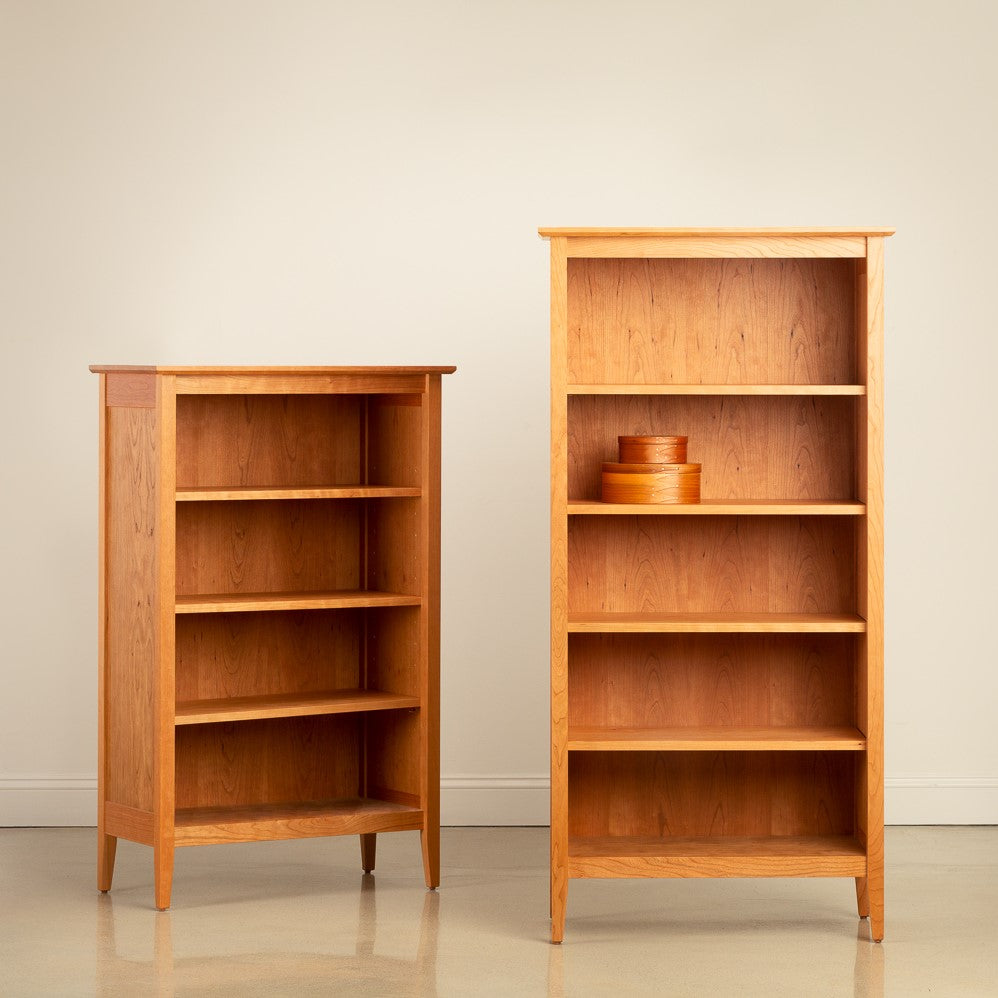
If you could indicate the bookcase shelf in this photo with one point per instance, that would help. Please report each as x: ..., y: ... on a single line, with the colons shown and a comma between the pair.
x: 716, y: 668
x: 269, y: 608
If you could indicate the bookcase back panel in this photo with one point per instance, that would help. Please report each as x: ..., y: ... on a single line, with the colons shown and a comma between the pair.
x: 735, y: 321
x: 737, y: 564
x: 256, y: 654
x: 711, y: 680
x: 393, y: 657
x: 268, y: 440
x: 697, y: 794
x: 393, y: 751
x: 268, y: 761
x: 750, y: 447
x: 268, y: 546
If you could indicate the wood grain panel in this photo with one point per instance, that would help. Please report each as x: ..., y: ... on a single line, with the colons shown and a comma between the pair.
x: 700, y: 794
x: 257, y: 654
x: 394, y: 547
x: 300, y: 382
x: 751, y: 564
x: 705, y: 321
x: 393, y: 752
x: 268, y: 440
x: 268, y: 761
x: 750, y: 447
x: 260, y: 546
x: 132, y: 390
x: 131, y: 678
x: 393, y: 440
x: 690, y: 680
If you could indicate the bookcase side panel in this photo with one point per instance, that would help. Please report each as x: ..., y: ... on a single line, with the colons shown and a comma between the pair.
x: 132, y: 568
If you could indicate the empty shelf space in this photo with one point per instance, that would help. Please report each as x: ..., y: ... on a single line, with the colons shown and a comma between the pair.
x: 756, y: 389
x: 306, y: 819
x: 717, y: 623
x: 715, y: 739
x: 206, y: 493
x: 717, y: 856
x: 719, y: 507
x: 248, y: 602
x: 289, y: 705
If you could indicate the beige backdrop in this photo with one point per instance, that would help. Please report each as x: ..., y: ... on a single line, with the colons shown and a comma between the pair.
x: 341, y: 183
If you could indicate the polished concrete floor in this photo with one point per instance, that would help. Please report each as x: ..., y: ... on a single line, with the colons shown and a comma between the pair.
x: 299, y: 918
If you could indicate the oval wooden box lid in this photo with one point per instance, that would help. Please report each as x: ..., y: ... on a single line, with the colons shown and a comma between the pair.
x: 614, y: 468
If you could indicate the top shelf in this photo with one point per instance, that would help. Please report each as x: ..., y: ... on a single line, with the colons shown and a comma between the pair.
x: 662, y: 389
x: 222, y: 494
x: 549, y: 233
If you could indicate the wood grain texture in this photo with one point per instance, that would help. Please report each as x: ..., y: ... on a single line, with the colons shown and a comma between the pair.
x: 395, y: 551
x: 132, y: 390
x: 697, y: 794
x: 719, y: 247
x: 711, y: 680
x: 708, y: 233
x: 289, y: 705
x: 130, y: 673
x: 129, y: 823
x: 559, y: 587
x: 722, y: 856
x: 394, y: 660
x: 245, y: 492
x: 394, y: 744
x: 720, y: 507
x: 275, y: 547
x: 717, y: 564
x: 710, y: 321
x: 394, y: 435
x: 269, y: 441
x: 714, y: 739
x: 253, y: 602
x: 280, y: 371
x: 655, y: 622
x: 362, y: 382
x: 293, y: 820
x: 265, y: 654
x: 268, y: 761
x: 709, y: 389
x: 749, y: 448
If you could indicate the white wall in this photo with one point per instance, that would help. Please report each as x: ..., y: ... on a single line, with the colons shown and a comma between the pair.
x: 333, y: 183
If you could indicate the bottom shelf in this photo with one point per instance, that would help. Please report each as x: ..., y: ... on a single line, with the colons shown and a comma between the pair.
x: 720, y: 856
x: 299, y: 820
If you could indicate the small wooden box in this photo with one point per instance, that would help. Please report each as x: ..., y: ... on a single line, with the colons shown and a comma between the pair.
x: 651, y: 483
x: 652, y: 450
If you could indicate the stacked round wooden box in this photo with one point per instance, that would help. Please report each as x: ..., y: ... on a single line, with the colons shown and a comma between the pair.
x: 651, y: 470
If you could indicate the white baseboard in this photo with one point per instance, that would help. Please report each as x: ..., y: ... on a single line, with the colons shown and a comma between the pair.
x: 514, y: 800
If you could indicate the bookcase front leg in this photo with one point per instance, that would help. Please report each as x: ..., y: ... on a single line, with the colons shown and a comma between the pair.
x: 368, y: 844
x: 163, y: 870
x: 107, y: 846
x: 559, y: 902
x: 429, y: 839
x: 875, y: 889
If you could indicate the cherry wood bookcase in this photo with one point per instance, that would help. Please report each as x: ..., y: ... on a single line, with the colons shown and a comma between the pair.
x: 269, y: 607
x: 716, y: 669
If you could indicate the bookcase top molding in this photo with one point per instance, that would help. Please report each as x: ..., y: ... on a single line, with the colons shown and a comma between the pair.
x: 583, y: 232
x: 281, y: 370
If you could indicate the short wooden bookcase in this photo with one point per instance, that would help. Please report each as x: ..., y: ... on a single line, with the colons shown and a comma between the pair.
x: 716, y: 669
x: 269, y: 607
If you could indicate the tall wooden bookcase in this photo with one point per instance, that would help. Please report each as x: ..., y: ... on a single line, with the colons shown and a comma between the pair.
x: 269, y: 607
x: 716, y: 669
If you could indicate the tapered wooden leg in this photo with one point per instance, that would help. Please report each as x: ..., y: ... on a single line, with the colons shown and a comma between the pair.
x: 163, y: 868
x: 368, y: 844
x: 862, y: 897
x: 559, y: 902
x: 875, y: 889
x: 430, y: 840
x: 107, y: 845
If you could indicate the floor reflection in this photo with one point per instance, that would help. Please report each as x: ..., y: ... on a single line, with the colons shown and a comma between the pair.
x: 362, y: 971
x: 868, y: 970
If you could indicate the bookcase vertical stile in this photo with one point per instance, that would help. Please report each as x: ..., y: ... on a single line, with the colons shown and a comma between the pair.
x: 269, y: 571
x: 716, y: 669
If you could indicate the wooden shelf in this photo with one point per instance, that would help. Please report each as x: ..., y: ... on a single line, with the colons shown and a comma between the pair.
x: 720, y: 507
x: 289, y: 705
x: 715, y: 739
x: 721, y: 856
x: 213, y: 494
x: 307, y: 819
x: 662, y: 389
x: 718, y: 623
x: 248, y: 602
